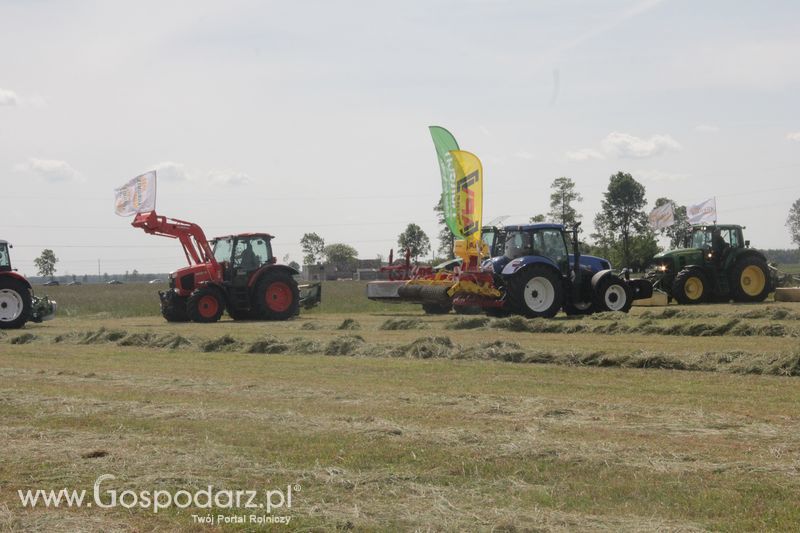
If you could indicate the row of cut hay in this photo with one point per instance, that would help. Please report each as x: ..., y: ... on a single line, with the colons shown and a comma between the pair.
x: 442, y: 347
x: 734, y: 327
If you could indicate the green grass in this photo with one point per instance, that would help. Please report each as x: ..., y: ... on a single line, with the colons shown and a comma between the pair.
x: 402, y: 431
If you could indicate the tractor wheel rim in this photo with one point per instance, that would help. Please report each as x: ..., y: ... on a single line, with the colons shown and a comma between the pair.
x: 278, y: 296
x: 693, y: 288
x: 208, y: 306
x: 752, y: 280
x: 11, y: 305
x: 615, y: 297
x: 539, y: 294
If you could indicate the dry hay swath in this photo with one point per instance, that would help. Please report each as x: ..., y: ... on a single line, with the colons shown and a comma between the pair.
x: 403, y: 323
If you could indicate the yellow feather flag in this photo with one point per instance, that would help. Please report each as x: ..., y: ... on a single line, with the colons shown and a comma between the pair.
x: 469, y: 194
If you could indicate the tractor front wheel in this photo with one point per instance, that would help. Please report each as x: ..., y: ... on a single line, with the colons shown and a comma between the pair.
x: 690, y: 287
x: 205, y: 305
x: 15, y: 303
x: 277, y: 296
x: 612, y: 294
x: 173, y: 307
x: 750, y: 280
x: 537, y: 291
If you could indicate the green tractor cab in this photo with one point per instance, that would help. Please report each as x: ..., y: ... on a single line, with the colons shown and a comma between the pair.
x: 716, y: 265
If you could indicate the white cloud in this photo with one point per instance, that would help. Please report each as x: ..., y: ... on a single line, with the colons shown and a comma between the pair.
x: 658, y: 175
x: 51, y: 170
x: 525, y: 155
x: 626, y: 146
x: 171, y: 171
x: 8, y: 97
x: 793, y: 136
x: 584, y: 154
x: 228, y: 177
x: 706, y: 128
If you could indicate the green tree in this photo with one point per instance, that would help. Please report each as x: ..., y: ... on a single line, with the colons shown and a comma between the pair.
x: 342, y: 256
x: 535, y: 219
x: 681, y: 229
x: 446, y: 237
x: 313, y: 247
x: 46, y: 263
x: 621, y: 216
x: 561, y: 200
x: 793, y: 222
x: 415, y: 240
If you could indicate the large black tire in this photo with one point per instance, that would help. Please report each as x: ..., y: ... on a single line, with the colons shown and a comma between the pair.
x: 15, y: 303
x: 750, y: 280
x: 205, y: 305
x: 612, y: 294
x: 436, y: 309
x: 173, y: 309
x: 277, y: 296
x: 536, y: 291
x: 691, y: 287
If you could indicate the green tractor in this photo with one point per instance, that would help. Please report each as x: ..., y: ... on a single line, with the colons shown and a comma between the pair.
x: 717, y: 265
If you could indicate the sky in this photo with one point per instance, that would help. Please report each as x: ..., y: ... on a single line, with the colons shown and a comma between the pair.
x: 312, y: 116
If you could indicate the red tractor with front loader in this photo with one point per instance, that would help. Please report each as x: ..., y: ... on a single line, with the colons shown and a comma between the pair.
x: 17, y: 302
x: 237, y: 273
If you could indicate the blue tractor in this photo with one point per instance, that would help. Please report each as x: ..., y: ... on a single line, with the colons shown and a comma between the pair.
x: 538, y: 276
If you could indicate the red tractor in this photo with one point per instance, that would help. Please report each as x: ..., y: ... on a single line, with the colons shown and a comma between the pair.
x: 237, y: 273
x: 17, y: 302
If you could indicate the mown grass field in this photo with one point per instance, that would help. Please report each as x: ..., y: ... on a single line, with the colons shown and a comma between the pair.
x: 666, y: 419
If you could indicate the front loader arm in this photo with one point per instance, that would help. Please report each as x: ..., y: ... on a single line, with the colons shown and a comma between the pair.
x: 191, y: 236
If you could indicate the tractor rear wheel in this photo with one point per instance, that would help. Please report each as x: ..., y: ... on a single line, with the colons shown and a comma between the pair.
x: 277, y: 296
x: 612, y: 294
x: 537, y: 291
x: 690, y: 287
x: 750, y: 280
x: 15, y: 303
x: 205, y: 305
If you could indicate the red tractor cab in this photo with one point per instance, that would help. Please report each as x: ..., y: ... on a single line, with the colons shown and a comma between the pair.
x: 237, y: 273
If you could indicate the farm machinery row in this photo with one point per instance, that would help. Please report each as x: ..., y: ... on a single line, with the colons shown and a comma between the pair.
x: 520, y: 269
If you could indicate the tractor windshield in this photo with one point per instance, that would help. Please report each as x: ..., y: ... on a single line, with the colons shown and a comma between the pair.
x: 251, y: 253
x: 701, y: 238
x: 223, y: 249
x: 548, y: 243
x: 5, y: 261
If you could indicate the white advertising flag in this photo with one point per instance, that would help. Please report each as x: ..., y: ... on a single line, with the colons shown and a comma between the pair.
x: 703, y: 213
x: 662, y: 217
x: 136, y: 196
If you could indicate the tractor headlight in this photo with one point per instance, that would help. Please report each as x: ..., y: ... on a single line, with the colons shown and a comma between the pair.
x: 661, y: 268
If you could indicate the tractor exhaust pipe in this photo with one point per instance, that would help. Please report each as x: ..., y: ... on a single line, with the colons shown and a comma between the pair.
x: 576, y: 262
